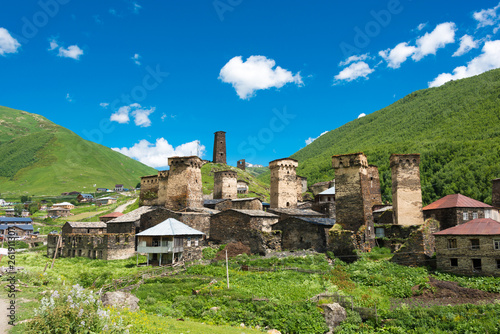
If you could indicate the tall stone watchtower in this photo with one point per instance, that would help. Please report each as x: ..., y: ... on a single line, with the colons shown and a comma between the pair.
x: 406, y: 190
x: 241, y: 164
x: 162, y: 187
x: 495, y: 196
x: 283, y: 183
x: 353, y: 198
x: 220, y: 147
x: 184, y: 183
x: 225, y: 184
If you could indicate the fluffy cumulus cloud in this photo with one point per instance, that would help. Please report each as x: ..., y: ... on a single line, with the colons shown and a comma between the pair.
x: 487, y: 17
x: 135, y: 58
x: 353, y: 59
x: 467, y: 43
x: 140, y: 114
x: 157, y: 154
x: 361, y: 115
x: 421, y: 26
x: 354, y: 71
x: 398, y: 55
x: 8, y: 44
x: 488, y: 59
x: 311, y: 139
x: 104, y: 105
x: 254, y: 74
x: 72, y: 51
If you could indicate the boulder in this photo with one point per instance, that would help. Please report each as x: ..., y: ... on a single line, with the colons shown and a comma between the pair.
x: 121, y: 299
x: 334, y: 314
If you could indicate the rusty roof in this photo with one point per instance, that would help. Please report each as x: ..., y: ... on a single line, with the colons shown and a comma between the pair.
x: 113, y: 215
x: 456, y: 201
x: 480, y: 226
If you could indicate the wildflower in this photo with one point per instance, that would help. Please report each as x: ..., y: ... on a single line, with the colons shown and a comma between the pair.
x: 82, y: 323
x: 55, y: 294
x: 80, y: 313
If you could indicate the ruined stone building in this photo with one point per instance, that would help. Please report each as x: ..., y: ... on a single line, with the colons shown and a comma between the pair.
x: 301, y: 187
x: 321, y: 186
x: 283, y: 183
x: 242, y: 186
x: 353, y: 196
x: 225, y: 184
x: 250, y: 203
x: 406, y: 190
x: 285, y: 213
x: 304, y: 232
x: 241, y: 164
x: 218, y: 204
x: 219, y: 147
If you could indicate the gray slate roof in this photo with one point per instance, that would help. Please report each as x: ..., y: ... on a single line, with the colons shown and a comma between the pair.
x: 254, y: 213
x: 297, y: 212
x: 169, y: 227
x: 245, y: 199
x: 132, y: 216
x: 87, y: 224
x: 214, y: 201
x: 318, y: 221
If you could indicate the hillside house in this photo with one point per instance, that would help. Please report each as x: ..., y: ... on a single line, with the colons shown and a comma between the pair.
x: 458, y: 209
x: 10, y: 213
x: 220, y: 204
x: 63, y: 205
x: 170, y: 241
x: 129, y: 222
x: 470, y: 248
x: 321, y: 186
x: 285, y: 213
x: 251, y: 203
x: 3, y: 202
x: 25, y: 213
x: 101, y: 190
x: 84, y: 198
x: 84, y: 227
x: 326, y: 196
x: 105, y: 201
x: 58, y: 212
x: 118, y: 187
x: 242, y: 187
x: 20, y: 226
x: 304, y: 233
x: 110, y: 216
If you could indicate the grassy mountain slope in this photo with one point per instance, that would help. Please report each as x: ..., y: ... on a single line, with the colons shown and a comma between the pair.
x: 455, y: 128
x: 256, y: 187
x: 40, y: 157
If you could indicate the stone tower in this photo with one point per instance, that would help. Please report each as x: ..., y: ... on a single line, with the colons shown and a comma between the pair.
x: 184, y: 183
x: 162, y: 187
x: 374, y: 186
x: 495, y: 196
x: 283, y: 183
x: 241, y: 164
x: 406, y: 190
x: 225, y: 184
x: 353, y: 200
x: 220, y: 147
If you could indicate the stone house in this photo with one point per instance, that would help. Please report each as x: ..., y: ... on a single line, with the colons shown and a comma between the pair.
x: 10, y: 213
x: 84, y: 227
x: 58, y: 212
x: 63, y: 205
x: 321, y: 186
x: 304, y: 233
x: 105, y: 201
x: 220, y: 204
x: 251, y: 227
x: 326, y: 196
x: 84, y: 198
x: 19, y: 230
x: 471, y: 248
x: 118, y: 187
x: 457, y: 209
x: 129, y: 222
x: 110, y: 216
x: 170, y: 241
x: 251, y: 203
x: 242, y: 187
x: 286, y: 213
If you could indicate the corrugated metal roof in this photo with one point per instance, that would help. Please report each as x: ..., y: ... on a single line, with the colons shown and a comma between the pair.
x: 15, y: 220
x: 329, y: 191
x: 26, y: 227
x: 169, y: 227
x: 456, y: 201
x: 480, y: 226
x: 87, y: 224
x: 63, y: 203
x: 133, y: 216
x: 113, y: 214
x: 105, y: 198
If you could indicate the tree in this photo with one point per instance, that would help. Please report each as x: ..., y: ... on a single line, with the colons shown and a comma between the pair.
x: 33, y: 208
x: 18, y: 209
x: 25, y: 198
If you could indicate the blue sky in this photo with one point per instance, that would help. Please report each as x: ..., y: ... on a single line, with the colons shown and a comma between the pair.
x: 154, y: 79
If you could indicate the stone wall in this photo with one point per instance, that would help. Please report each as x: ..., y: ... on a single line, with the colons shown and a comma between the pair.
x: 224, y: 205
x: 326, y: 208
x: 450, y: 217
x: 283, y: 183
x: 495, y: 195
x: 298, y: 234
x: 184, y: 188
x: 321, y: 186
x: 406, y: 190
x: 121, y: 227
x: 219, y: 156
x: 374, y: 186
x: 198, y: 220
x: 149, y: 189
x: 241, y: 164
x: 225, y: 184
x: 301, y: 187
x: 464, y: 254
x: 247, y: 204
x: 192, y: 252
x: 394, y: 235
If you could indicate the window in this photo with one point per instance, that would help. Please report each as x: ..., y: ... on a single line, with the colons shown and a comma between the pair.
x: 498, y: 264
x: 474, y: 215
x: 454, y: 262
x: 476, y: 265
x: 379, y: 232
x: 474, y: 243
x: 487, y: 214
x: 466, y: 216
x: 196, y: 241
x: 452, y: 243
x: 189, y: 242
x: 496, y: 244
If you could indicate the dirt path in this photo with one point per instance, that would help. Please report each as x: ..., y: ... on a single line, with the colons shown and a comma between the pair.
x: 122, y: 207
x: 4, y: 321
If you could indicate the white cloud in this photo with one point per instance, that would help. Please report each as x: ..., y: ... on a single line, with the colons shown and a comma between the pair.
x: 353, y: 59
x: 72, y: 51
x: 467, y: 43
x: 53, y: 44
x: 136, y: 7
x: 311, y: 139
x: 489, y: 59
x: 398, y: 55
x: 104, y: 105
x: 157, y: 154
x: 113, y: 12
x: 136, y: 58
x: 8, y: 44
x: 69, y: 98
x: 361, y: 115
x: 421, y: 26
x: 487, y: 17
x: 163, y: 116
x: 140, y: 114
x: 254, y: 74
x: 354, y: 71
x: 443, y: 34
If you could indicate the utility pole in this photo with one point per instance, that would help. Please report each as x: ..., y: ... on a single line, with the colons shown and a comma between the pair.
x: 227, y: 271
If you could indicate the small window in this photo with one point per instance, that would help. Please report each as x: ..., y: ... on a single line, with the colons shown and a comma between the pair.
x: 496, y: 244
x: 474, y: 215
x: 452, y: 243
x: 487, y: 214
x: 379, y: 232
x: 466, y: 216
x: 498, y: 264
x: 196, y: 241
x: 454, y: 262
x: 188, y: 242
x: 474, y: 243
x: 476, y: 265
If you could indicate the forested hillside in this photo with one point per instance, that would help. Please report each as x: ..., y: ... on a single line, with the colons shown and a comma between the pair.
x: 455, y: 128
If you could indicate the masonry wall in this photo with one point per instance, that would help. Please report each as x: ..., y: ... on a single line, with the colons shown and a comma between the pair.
x: 464, y: 255
x: 149, y: 189
x: 495, y: 196
x: 283, y: 183
x: 254, y: 204
x: 192, y: 252
x: 297, y: 234
x: 406, y: 190
x: 353, y: 199
x: 241, y: 164
x: 162, y: 188
x: 223, y: 206
x: 184, y: 186
x: 225, y: 184
x: 321, y: 186
x: 374, y: 186
x: 198, y: 220
x: 219, y: 156
x: 326, y: 208
x: 450, y: 217
x: 125, y: 227
x: 301, y: 187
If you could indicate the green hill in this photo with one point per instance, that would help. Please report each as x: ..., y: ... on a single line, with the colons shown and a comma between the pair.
x: 455, y: 128
x: 43, y: 158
